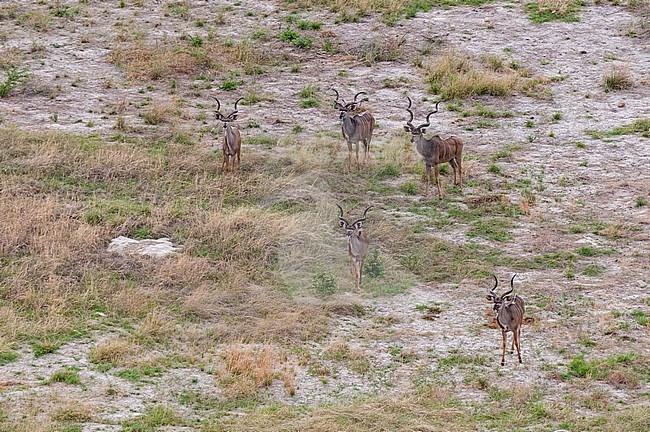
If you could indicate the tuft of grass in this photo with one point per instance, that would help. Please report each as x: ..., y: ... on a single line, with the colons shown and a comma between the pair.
x: 139, y: 374
x: 309, y: 96
x: 8, y: 357
x: 642, y: 318
x: 374, y: 264
x: 13, y: 77
x: 458, y: 75
x: 324, y: 283
x: 589, y: 251
x: 381, y: 50
x: 616, y: 370
x: 550, y: 10
x: 410, y: 188
x: 151, y: 421
x: 143, y: 61
x: 617, y: 78
x: 68, y: 376
x: 294, y: 38
x: 491, y: 229
x: 640, y: 202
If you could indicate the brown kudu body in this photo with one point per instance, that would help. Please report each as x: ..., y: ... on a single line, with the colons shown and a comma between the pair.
x: 436, y: 150
x: 358, y: 243
x: 509, y: 312
x: 355, y: 127
x: 231, y: 147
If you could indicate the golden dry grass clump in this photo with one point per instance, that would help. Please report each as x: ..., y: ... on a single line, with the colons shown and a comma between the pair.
x: 458, y: 75
x: 558, y: 7
x: 153, y: 61
x: 247, y: 368
x: 146, y: 60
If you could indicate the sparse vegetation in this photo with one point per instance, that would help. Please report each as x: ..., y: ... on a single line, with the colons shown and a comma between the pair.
x: 255, y: 322
x: 617, y: 78
x: 549, y: 10
x: 13, y: 77
x: 457, y: 75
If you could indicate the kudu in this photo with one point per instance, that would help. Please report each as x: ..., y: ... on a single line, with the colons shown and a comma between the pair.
x: 436, y: 150
x: 231, y: 137
x: 509, y: 311
x: 355, y: 126
x: 357, y: 243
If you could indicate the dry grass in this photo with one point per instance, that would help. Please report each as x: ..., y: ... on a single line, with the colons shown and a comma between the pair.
x: 153, y: 61
x: 160, y: 112
x: 115, y: 351
x: 38, y: 20
x: 617, y: 78
x: 72, y: 410
x: 559, y: 7
x: 56, y: 272
x: 457, y: 75
x: 248, y: 368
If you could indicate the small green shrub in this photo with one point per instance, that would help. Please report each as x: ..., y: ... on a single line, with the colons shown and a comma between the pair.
x: 324, y: 283
x: 374, y: 265
x: 642, y: 318
x: 67, y: 376
x: 14, y: 76
x: 8, y: 357
x: 294, y: 38
x: 409, y: 188
x: 494, y: 169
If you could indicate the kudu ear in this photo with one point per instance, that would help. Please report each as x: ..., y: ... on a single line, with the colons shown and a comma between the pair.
x: 342, y: 224
x: 490, y: 297
x: 422, y: 130
x: 358, y: 225
x: 234, y: 117
x: 407, y: 129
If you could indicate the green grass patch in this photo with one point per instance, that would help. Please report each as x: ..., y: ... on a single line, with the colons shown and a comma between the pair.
x: 539, y: 12
x: 491, y: 229
x: 640, y: 126
x: 115, y: 211
x: 589, y: 251
x: 597, y: 369
x: 139, y: 374
x: 8, y: 357
x: 641, y: 317
x: 68, y: 376
x: 152, y: 420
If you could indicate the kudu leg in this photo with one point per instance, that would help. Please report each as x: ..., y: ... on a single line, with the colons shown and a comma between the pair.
x: 518, y: 344
x: 366, y: 154
x: 238, y: 161
x: 224, y: 163
x: 357, y: 152
x: 453, y: 165
x: 504, y: 339
x: 349, y: 157
x: 436, y: 171
x: 358, y: 275
x: 428, y: 169
x: 459, y: 161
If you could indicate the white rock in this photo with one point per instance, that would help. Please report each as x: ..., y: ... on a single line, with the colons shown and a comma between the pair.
x: 149, y: 247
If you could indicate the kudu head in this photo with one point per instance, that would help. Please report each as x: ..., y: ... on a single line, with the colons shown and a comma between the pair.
x: 355, y: 227
x: 417, y: 132
x: 230, y: 117
x: 499, y: 300
x: 345, y: 108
